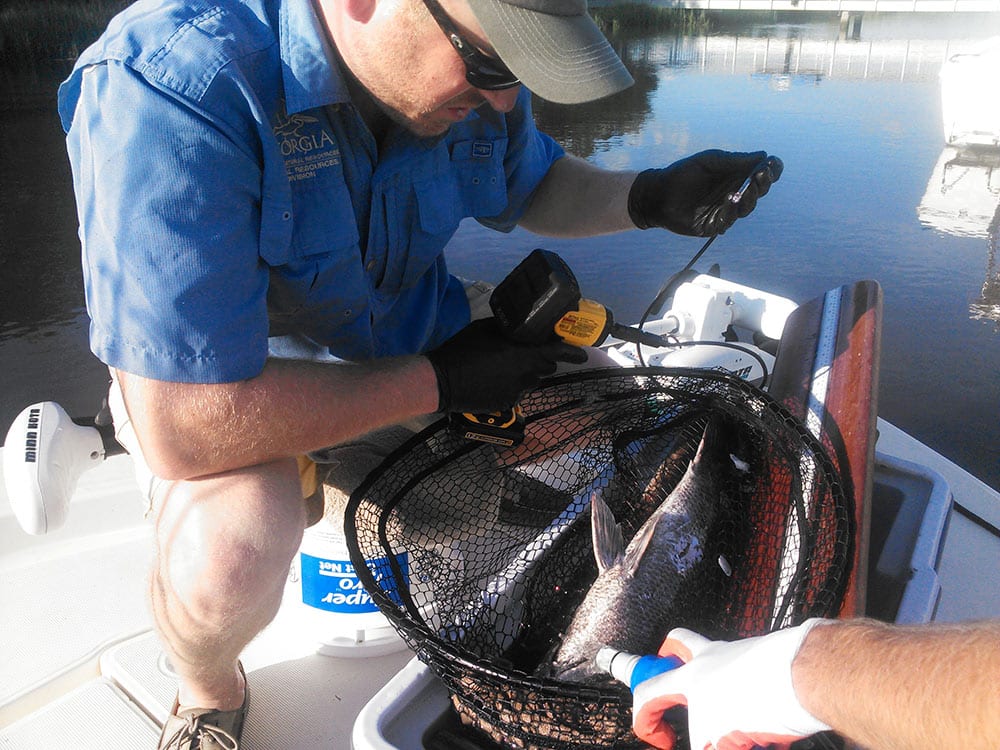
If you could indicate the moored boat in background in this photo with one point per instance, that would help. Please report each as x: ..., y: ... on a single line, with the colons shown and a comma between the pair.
x: 970, y: 107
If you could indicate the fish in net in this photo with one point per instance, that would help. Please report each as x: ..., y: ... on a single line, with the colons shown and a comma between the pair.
x: 481, y: 555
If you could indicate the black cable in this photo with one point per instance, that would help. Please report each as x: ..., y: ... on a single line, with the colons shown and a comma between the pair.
x: 666, y: 290
x: 728, y: 345
x: 766, y: 163
x: 662, y: 294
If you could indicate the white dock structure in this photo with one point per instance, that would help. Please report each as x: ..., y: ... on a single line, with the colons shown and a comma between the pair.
x: 843, y: 6
x: 796, y: 58
x: 851, y: 12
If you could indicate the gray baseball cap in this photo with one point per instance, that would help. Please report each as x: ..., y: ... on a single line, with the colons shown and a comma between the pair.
x: 554, y: 47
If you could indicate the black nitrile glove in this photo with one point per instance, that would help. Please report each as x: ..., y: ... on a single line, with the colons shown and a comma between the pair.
x: 693, y: 196
x: 479, y: 370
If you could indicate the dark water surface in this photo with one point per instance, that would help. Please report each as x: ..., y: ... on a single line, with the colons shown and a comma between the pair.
x: 869, y: 191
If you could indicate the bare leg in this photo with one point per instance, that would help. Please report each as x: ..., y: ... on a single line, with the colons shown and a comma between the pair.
x: 223, y: 547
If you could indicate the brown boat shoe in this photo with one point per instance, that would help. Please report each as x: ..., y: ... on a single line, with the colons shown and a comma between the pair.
x: 205, y: 728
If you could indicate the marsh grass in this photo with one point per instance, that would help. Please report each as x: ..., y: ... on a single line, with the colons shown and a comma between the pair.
x: 38, y: 32
x: 630, y: 17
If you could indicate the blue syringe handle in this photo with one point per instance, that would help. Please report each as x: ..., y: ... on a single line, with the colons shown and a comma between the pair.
x: 651, y: 666
x: 632, y: 668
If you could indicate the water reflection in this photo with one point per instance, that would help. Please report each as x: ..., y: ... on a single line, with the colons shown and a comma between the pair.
x: 39, y: 223
x: 963, y: 200
x: 44, y: 352
x: 987, y: 307
x: 963, y: 192
x: 584, y: 128
x: 963, y: 195
x: 811, y: 51
x: 786, y: 56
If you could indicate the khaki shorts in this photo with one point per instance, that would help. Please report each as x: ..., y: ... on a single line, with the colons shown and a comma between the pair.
x: 343, y: 466
x: 125, y: 434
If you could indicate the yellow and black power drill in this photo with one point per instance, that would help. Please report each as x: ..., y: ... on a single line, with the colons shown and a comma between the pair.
x: 540, y: 299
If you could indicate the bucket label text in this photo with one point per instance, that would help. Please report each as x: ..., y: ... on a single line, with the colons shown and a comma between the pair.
x: 332, y: 585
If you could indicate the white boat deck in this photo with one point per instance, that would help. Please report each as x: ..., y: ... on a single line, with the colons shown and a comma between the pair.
x: 80, y: 667
x: 969, y: 563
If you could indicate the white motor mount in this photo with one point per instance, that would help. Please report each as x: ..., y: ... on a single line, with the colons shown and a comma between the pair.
x: 701, y: 313
x: 706, y: 305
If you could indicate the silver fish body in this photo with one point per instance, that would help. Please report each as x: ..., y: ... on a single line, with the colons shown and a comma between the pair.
x: 630, y: 604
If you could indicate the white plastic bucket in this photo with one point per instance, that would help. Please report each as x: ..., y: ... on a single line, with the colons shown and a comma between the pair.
x: 335, y: 609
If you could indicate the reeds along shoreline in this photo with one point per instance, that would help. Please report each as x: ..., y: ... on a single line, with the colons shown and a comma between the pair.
x: 642, y: 16
x: 40, y: 32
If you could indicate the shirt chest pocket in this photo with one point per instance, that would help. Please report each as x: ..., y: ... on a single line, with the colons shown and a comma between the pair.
x: 471, y: 184
x: 323, y: 233
x: 318, y: 208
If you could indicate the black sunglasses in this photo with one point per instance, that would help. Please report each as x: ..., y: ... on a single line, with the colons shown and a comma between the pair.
x: 481, y: 70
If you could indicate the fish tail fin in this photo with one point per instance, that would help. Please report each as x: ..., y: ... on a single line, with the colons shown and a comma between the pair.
x: 609, y: 544
x: 724, y: 443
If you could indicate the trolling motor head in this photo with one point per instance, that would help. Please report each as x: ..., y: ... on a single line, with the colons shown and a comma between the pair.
x: 44, y: 454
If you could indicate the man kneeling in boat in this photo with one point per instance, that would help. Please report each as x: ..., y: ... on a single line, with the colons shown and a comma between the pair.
x: 286, y: 172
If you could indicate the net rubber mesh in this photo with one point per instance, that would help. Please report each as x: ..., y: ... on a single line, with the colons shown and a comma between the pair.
x: 479, y: 555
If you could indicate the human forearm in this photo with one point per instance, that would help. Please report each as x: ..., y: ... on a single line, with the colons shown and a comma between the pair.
x: 578, y: 199
x: 191, y: 430
x: 896, y: 688
x: 692, y: 196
